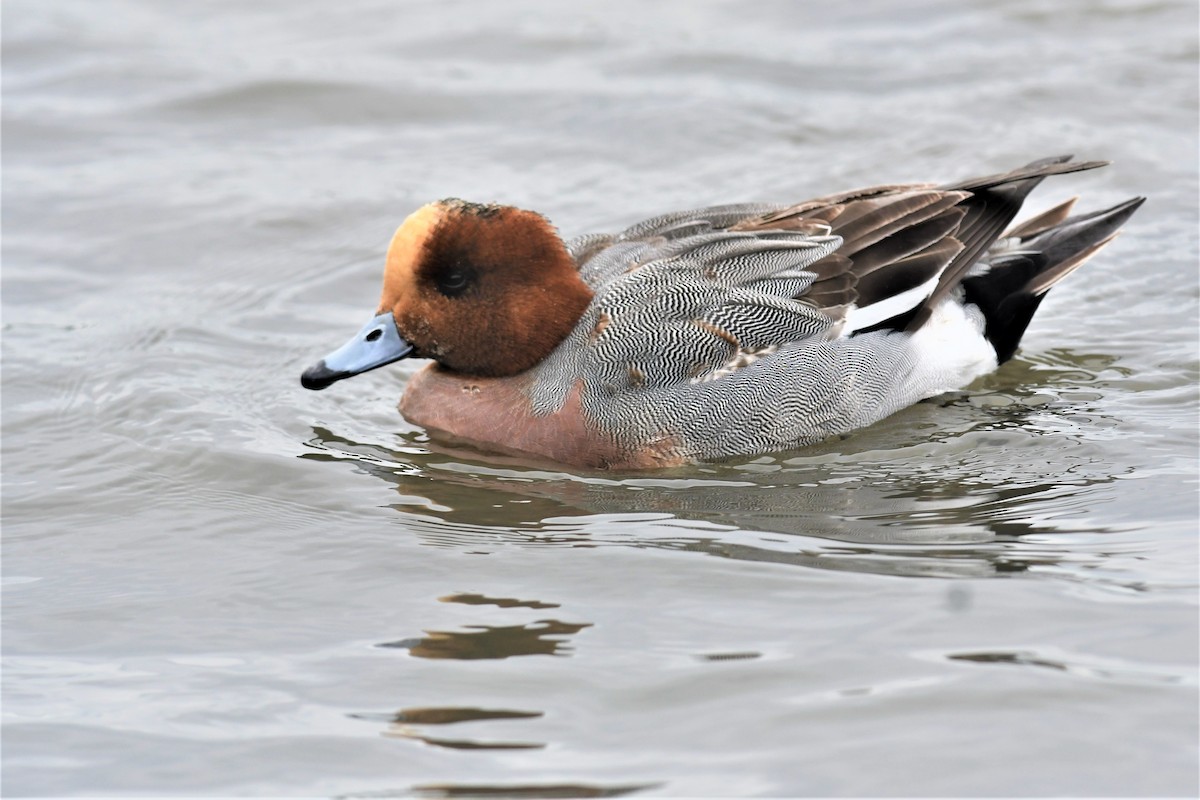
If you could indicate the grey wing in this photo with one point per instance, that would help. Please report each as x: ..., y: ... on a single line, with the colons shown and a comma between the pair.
x: 683, y: 299
x: 601, y: 257
x: 897, y: 240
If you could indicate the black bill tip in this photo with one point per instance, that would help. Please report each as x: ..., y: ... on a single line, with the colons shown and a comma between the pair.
x: 319, y: 376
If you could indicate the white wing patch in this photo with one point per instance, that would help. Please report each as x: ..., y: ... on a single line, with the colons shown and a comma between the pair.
x: 859, y: 318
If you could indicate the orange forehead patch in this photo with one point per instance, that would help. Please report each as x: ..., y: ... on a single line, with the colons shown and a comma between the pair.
x: 406, y: 250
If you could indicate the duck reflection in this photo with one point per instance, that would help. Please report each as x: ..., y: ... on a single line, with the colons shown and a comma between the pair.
x: 1083, y: 666
x: 484, y: 641
x: 543, y: 637
x: 968, y: 486
x: 530, y: 791
x: 408, y: 723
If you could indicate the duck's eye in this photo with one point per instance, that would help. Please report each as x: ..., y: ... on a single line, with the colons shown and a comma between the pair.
x: 453, y: 282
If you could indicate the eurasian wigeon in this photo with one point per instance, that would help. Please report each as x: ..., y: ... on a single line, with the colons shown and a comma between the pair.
x: 723, y: 331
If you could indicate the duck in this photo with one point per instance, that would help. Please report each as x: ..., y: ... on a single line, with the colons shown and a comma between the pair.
x: 718, y: 332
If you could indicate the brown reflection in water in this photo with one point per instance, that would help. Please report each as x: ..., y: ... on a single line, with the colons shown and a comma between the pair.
x: 502, y: 602
x: 403, y: 725
x: 549, y: 790
x: 469, y: 744
x: 484, y: 641
x: 1008, y: 658
x: 748, y: 656
x: 451, y: 715
x: 1079, y: 667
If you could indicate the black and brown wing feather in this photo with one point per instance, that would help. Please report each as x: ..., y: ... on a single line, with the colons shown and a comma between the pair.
x: 902, y: 237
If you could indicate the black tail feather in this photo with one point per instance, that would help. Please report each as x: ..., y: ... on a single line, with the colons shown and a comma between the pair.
x: 1012, y: 288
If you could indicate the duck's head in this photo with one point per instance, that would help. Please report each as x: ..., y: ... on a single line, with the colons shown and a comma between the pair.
x: 484, y: 290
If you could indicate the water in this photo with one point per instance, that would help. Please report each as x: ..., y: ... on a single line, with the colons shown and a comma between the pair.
x: 217, y: 583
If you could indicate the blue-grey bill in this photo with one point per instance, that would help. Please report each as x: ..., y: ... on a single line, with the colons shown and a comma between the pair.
x: 377, y: 344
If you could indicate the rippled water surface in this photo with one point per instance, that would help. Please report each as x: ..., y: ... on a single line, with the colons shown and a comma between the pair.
x: 217, y: 583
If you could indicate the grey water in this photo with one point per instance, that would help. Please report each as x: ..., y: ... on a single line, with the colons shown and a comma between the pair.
x: 217, y: 583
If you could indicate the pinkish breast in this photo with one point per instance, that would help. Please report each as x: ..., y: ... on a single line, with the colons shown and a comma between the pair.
x: 494, y: 413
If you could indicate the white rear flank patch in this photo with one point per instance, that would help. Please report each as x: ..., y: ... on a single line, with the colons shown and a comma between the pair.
x: 951, y: 347
x: 859, y: 318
